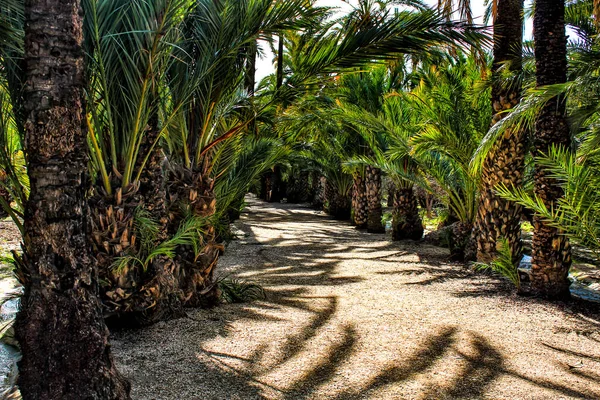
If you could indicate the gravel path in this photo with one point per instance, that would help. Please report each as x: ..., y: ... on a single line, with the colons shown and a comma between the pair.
x: 351, y: 315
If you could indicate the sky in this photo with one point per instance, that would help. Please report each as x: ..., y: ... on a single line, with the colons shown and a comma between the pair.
x: 265, y: 66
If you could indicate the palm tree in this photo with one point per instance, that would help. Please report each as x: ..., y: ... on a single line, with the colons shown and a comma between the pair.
x: 366, y: 91
x: 455, y: 114
x: 218, y: 36
x: 498, y: 218
x: 388, y: 133
x: 551, y: 252
x: 577, y: 213
x: 360, y: 215
x: 60, y: 328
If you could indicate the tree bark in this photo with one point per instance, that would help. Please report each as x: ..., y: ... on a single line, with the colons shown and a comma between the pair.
x: 63, y: 338
x: 297, y: 188
x: 498, y: 218
x: 193, y: 190
x: 274, y: 187
x: 339, y: 205
x: 551, y: 252
x: 318, y: 191
x: 134, y: 296
x: 391, y: 189
x: 359, y: 202
x: 406, y: 223
x: 5, y: 196
x: 373, y: 188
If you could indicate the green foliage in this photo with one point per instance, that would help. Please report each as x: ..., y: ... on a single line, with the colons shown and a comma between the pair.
x: 239, y: 291
x: 503, y: 264
x: 239, y: 164
x: 455, y: 116
x: 577, y: 213
x: 190, y: 233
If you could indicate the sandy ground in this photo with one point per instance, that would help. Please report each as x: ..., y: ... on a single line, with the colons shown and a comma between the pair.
x: 351, y: 315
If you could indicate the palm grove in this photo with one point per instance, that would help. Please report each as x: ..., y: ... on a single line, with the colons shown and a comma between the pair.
x: 130, y: 132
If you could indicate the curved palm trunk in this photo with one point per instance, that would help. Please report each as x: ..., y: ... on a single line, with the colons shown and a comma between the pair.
x: 498, y: 218
x: 551, y: 252
x: 359, y: 202
x: 63, y: 338
x: 406, y: 223
x: 373, y: 188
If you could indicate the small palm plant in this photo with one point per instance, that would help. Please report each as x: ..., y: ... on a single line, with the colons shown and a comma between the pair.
x: 503, y: 264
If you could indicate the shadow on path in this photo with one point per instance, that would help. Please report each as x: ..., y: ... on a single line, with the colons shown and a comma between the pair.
x: 304, y: 342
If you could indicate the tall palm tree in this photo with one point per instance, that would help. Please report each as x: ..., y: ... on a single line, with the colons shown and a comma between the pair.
x: 496, y: 217
x: 60, y: 328
x: 551, y: 252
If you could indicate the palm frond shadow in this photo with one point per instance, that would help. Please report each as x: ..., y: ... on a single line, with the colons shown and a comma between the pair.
x: 311, y: 358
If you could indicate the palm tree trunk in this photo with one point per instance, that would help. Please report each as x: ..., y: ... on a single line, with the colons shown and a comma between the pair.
x: 551, y: 252
x: 406, y: 222
x: 328, y: 196
x: 63, y: 338
x: 274, y: 186
x: 460, y: 243
x: 5, y: 196
x: 498, y: 218
x: 373, y: 188
x: 134, y: 296
x: 359, y: 202
x: 195, y: 272
x: 297, y: 188
x: 340, y: 206
x: 317, y: 190
x: 391, y: 189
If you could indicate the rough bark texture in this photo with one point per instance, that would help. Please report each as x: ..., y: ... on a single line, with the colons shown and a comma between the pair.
x: 551, y: 253
x: 5, y: 196
x: 63, y: 338
x: 134, y: 296
x: 359, y: 202
x: 273, y: 186
x: 373, y: 188
x: 496, y: 217
x: 336, y: 204
x: 195, y: 272
x: 460, y: 243
x: 297, y: 188
x: 406, y: 223
x: 391, y: 189
x: 318, y: 191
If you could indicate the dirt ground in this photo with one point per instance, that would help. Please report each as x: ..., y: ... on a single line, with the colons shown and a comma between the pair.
x: 352, y: 315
